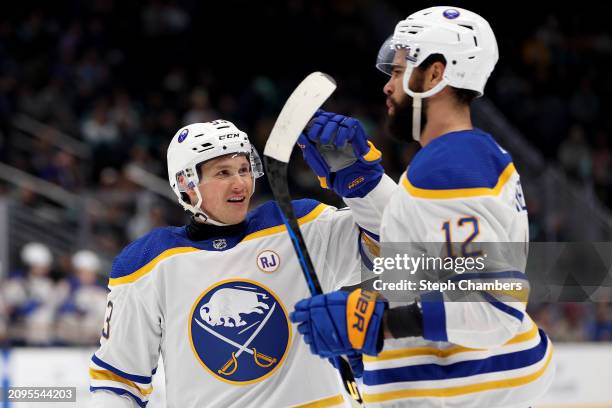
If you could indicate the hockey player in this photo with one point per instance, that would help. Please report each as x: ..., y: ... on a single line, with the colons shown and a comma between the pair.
x: 213, y: 296
x: 461, y: 188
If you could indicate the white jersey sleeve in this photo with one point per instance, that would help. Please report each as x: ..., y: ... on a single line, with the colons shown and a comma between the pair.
x: 348, y: 238
x: 368, y: 210
x: 131, y: 336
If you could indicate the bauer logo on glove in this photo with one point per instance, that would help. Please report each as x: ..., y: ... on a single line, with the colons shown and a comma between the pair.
x: 359, y: 309
x: 341, y: 323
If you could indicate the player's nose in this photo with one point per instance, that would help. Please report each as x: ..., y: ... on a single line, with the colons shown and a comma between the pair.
x: 239, y: 183
x: 388, y: 88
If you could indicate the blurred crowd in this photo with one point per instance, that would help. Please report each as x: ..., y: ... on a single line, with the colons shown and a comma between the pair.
x: 553, y: 85
x: 121, y: 78
x: 49, y: 303
x: 574, y: 322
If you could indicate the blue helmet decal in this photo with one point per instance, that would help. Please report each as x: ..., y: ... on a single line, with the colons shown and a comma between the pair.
x: 451, y: 14
x: 239, y: 331
x: 183, y: 135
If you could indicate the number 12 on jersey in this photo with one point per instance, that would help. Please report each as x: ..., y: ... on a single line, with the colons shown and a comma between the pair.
x: 462, y: 223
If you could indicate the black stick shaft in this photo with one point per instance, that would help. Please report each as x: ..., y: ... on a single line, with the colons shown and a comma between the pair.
x: 277, y: 177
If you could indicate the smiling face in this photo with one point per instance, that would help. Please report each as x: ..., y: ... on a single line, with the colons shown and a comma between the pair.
x: 226, y: 185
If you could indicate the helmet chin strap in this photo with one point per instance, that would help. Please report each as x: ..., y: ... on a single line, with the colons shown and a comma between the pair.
x: 207, y: 220
x: 417, y: 103
x: 417, y: 100
x: 197, y: 213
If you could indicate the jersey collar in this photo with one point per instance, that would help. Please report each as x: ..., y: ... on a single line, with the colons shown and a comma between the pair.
x: 198, y: 231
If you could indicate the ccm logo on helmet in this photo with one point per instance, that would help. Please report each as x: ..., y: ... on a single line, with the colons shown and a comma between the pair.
x: 229, y: 136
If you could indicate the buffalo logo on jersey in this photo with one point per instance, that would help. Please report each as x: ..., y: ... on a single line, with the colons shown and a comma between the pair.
x: 239, y: 331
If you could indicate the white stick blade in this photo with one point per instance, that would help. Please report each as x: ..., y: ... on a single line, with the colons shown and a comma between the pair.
x: 310, y: 94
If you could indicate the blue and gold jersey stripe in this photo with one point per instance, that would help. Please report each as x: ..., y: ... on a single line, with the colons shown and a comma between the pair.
x: 444, y: 353
x: 134, y: 276
x: 139, y: 273
x: 121, y: 391
x: 460, y: 192
x: 460, y: 369
x: 282, y: 228
x: 104, y: 375
x: 461, y: 390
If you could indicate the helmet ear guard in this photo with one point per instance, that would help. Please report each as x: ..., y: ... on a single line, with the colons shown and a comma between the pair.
x: 184, y: 184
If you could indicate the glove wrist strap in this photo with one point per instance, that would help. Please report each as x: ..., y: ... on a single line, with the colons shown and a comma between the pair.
x: 405, y: 321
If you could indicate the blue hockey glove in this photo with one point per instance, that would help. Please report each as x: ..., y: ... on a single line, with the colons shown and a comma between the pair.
x: 340, y: 323
x: 339, y: 152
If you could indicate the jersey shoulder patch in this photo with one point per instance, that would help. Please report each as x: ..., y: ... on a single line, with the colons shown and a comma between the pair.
x: 467, y: 160
x: 148, y: 248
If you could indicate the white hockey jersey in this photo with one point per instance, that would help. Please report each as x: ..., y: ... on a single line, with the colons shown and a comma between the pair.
x: 472, y: 354
x: 217, y: 309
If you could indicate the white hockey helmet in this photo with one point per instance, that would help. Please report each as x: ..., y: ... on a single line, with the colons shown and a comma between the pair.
x: 464, y: 38
x: 200, y: 142
x: 35, y: 254
x: 86, y: 259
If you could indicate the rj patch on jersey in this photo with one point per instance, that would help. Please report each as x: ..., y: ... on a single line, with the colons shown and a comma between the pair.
x: 268, y: 261
x: 239, y: 331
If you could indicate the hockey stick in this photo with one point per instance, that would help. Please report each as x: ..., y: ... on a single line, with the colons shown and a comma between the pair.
x: 298, y: 110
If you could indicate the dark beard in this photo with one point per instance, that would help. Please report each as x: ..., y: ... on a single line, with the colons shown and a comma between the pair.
x: 400, y: 122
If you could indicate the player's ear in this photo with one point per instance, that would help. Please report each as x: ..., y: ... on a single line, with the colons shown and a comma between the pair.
x: 182, y: 180
x: 434, y: 74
